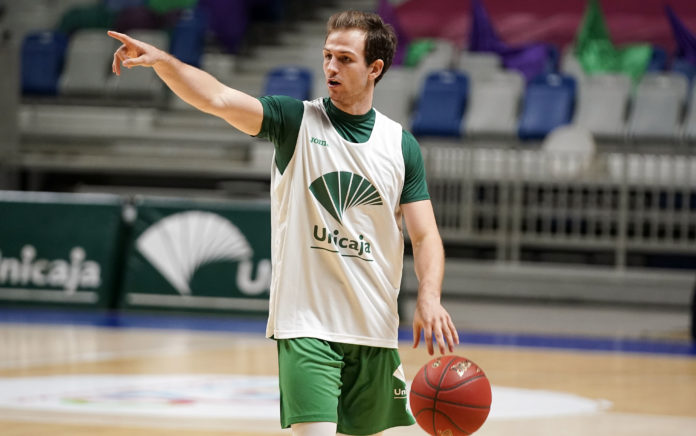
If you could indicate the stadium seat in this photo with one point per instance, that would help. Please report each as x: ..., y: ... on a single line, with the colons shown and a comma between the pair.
x: 602, y: 104
x: 494, y: 104
x: 549, y: 102
x: 292, y: 81
x: 140, y: 83
x: 441, y: 105
x: 43, y: 54
x: 657, y: 107
x: 87, y: 63
x: 188, y: 36
x: 441, y: 57
x: 478, y: 64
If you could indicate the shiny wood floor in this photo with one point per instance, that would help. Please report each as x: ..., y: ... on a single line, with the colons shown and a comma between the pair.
x: 649, y: 394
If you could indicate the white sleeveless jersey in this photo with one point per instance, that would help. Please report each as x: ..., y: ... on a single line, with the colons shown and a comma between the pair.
x: 337, y: 236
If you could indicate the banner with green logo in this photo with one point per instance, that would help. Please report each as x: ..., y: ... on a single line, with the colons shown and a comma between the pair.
x: 199, y: 256
x: 59, y: 249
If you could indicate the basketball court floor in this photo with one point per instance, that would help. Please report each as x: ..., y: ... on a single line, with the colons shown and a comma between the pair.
x: 85, y: 374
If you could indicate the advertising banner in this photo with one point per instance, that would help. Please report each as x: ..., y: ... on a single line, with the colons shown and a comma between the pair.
x: 199, y: 256
x: 59, y: 249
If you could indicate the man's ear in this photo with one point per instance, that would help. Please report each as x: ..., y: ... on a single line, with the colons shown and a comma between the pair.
x: 376, y: 69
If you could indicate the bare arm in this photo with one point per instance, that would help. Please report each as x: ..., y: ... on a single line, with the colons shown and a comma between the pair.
x: 193, y: 85
x: 430, y: 316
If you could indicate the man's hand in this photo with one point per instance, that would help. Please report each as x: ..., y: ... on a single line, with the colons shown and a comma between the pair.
x: 133, y: 53
x: 432, y: 319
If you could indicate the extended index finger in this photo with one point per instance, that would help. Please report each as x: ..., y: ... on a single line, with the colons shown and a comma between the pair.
x: 120, y: 36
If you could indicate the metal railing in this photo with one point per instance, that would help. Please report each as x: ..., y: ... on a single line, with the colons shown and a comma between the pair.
x: 511, y: 200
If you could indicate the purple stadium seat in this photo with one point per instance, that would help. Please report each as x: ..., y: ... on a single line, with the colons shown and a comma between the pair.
x: 228, y: 21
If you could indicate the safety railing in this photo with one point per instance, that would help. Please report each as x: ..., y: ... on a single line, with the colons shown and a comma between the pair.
x: 513, y: 202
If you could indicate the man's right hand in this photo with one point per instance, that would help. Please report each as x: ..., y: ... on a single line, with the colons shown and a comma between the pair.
x: 133, y: 53
x: 191, y: 84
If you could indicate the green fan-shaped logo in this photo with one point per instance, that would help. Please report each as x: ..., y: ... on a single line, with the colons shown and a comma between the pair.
x: 341, y: 190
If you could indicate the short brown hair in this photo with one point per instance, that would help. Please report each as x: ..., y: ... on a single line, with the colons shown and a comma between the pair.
x: 380, y: 38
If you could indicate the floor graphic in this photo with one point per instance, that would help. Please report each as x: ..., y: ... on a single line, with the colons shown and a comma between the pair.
x: 225, y: 397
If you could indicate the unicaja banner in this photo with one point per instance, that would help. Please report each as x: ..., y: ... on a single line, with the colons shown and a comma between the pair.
x: 208, y: 256
x: 59, y: 249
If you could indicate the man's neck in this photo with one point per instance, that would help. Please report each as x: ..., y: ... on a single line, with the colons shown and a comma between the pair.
x: 358, y: 107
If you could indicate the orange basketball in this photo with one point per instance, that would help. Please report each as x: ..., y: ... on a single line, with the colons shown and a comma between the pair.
x: 450, y: 396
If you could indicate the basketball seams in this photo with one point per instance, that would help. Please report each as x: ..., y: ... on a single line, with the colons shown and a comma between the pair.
x: 467, y: 406
x: 437, y: 389
x: 424, y: 396
x: 434, y: 411
x: 454, y: 424
x: 452, y: 403
x: 463, y: 382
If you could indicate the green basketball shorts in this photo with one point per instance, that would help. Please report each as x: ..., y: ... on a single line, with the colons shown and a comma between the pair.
x: 362, y: 389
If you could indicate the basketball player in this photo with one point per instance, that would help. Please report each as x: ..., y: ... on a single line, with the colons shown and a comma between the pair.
x: 344, y: 176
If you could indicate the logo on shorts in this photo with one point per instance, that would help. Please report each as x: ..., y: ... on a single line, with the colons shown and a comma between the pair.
x: 400, y: 393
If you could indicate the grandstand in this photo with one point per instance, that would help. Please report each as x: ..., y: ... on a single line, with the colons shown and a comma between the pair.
x: 562, y: 172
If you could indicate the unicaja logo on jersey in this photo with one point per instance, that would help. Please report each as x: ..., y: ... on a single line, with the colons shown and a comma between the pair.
x: 341, y: 190
x: 179, y: 244
x: 337, y: 192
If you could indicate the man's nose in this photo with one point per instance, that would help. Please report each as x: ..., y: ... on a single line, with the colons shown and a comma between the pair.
x: 331, y: 65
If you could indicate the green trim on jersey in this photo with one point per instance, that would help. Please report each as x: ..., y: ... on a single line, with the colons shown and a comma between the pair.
x: 282, y: 117
x: 353, y: 128
x: 415, y: 187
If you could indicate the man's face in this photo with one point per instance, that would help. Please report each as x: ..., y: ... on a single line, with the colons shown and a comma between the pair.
x: 347, y: 74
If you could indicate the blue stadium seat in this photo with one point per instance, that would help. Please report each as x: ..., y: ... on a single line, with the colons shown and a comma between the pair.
x: 441, y: 104
x: 292, y: 81
x: 188, y: 36
x: 43, y: 54
x: 549, y: 102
